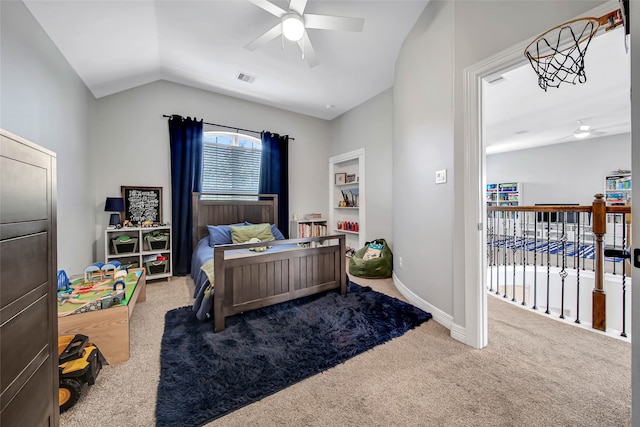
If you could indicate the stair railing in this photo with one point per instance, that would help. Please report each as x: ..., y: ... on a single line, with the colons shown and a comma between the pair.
x: 523, y: 239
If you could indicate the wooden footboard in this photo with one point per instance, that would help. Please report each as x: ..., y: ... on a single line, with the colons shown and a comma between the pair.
x: 252, y: 282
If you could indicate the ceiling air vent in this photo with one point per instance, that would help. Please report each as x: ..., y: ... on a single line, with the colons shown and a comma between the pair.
x: 246, y: 77
x: 495, y: 79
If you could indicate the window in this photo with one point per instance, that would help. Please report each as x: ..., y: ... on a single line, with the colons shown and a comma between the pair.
x: 231, y: 163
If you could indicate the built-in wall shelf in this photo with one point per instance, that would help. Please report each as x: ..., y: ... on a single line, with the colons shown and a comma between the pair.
x: 347, y: 197
x: 308, y: 228
x: 504, y: 194
x: 346, y: 231
x: 617, y: 189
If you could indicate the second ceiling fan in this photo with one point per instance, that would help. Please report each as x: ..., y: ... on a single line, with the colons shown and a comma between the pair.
x: 294, y: 23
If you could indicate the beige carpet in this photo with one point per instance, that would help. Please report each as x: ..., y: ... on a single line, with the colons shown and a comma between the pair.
x: 535, y: 372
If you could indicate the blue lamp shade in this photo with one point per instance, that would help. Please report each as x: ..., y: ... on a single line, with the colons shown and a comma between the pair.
x: 114, y: 204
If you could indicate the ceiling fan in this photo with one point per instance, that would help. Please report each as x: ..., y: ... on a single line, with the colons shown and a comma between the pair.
x: 583, y: 131
x: 294, y: 23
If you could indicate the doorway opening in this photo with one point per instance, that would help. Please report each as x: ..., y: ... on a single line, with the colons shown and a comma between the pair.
x: 478, y: 138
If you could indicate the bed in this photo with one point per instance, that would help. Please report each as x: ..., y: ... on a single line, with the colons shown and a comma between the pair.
x: 248, y: 276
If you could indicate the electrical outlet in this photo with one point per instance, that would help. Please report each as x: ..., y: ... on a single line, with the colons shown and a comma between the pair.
x: 441, y: 176
x: 400, y: 262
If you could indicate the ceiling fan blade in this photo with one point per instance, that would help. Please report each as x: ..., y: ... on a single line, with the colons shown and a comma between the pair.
x: 265, y: 38
x: 326, y: 22
x: 269, y: 7
x: 565, y: 139
x: 309, y: 54
x: 298, y: 6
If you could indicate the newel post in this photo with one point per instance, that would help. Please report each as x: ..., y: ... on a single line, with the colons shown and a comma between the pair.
x: 599, y: 307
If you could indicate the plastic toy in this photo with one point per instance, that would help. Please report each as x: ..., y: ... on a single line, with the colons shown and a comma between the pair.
x: 93, y: 272
x: 119, y: 285
x: 79, y: 362
x: 108, y: 270
x: 63, y: 282
x: 99, y: 271
x: 120, y: 275
x: 72, y: 298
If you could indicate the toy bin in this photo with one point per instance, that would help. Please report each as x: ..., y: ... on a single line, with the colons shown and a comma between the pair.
x: 129, y: 262
x: 158, y: 242
x: 125, y: 244
x: 156, y: 267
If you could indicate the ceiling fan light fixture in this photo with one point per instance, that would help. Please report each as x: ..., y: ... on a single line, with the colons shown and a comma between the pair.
x: 292, y: 26
x: 583, y: 131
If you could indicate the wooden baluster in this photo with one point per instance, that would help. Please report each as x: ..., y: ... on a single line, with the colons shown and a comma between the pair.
x: 599, y: 315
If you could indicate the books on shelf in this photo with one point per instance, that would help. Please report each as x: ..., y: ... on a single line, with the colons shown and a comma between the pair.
x: 618, y: 189
x: 312, y: 230
x: 504, y: 194
x: 623, y: 183
x: 508, y: 187
x: 616, y: 199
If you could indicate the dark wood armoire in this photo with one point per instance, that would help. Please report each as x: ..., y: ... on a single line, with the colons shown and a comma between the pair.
x: 28, y: 284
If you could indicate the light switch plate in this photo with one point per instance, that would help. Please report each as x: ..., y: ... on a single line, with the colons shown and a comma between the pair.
x: 441, y: 176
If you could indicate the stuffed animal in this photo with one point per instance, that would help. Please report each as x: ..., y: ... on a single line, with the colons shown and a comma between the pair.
x: 259, y: 248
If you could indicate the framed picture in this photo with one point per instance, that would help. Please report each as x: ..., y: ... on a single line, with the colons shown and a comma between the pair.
x: 351, y: 178
x: 142, y: 204
x: 341, y: 178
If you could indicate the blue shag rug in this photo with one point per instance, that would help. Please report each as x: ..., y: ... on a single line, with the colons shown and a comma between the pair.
x: 205, y: 375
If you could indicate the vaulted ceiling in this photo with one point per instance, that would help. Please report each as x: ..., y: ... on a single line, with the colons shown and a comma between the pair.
x: 117, y: 45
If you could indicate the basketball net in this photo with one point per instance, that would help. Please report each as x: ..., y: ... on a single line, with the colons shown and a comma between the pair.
x: 557, y: 55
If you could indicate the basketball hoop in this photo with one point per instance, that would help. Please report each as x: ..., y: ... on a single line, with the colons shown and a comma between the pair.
x: 557, y: 55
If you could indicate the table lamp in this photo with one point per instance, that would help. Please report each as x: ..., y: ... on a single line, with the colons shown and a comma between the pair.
x: 114, y: 204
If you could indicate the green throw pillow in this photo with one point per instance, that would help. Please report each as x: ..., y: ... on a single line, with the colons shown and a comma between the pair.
x: 243, y: 234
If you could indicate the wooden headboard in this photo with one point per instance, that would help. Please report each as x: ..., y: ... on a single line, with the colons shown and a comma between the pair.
x: 222, y: 209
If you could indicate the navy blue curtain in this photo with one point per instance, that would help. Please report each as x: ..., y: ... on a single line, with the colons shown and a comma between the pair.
x: 185, y: 136
x: 274, y: 174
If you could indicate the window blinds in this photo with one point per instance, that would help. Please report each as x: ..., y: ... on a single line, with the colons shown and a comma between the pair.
x: 230, y: 169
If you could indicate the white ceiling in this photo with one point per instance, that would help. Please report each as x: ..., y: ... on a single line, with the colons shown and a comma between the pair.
x: 117, y: 45
x: 518, y: 114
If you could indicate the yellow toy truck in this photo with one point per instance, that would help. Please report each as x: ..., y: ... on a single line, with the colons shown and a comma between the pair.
x: 79, y: 362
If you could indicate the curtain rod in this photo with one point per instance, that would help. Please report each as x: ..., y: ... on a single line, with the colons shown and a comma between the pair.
x: 230, y: 127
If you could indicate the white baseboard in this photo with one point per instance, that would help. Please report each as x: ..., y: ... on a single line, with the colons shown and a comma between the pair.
x: 457, y: 332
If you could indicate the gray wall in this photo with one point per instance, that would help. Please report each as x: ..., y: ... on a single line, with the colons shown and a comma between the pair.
x: 130, y: 131
x: 423, y: 143
x: 428, y: 219
x: 562, y: 173
x: 369, y: 126
x: 43, y: 100
x: 409, y: 133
